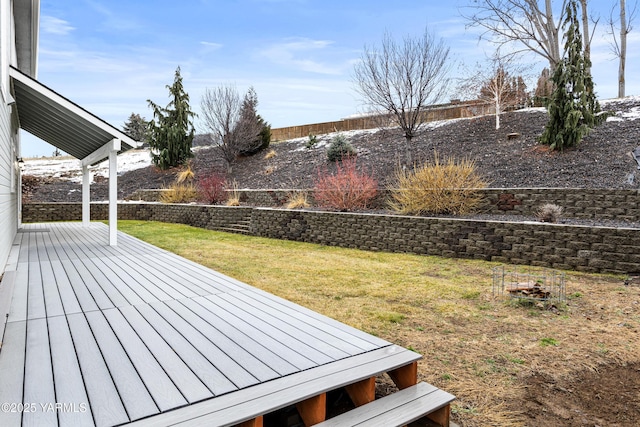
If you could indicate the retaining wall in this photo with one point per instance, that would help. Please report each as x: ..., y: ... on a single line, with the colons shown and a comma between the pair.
x: 621, y: 205
x: 591, y: 249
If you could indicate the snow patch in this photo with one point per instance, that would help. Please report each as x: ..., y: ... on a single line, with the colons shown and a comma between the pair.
x: 70, y: 169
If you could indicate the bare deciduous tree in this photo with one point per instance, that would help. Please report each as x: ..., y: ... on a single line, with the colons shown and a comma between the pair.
x: 226, y: 122
x: 522, y: 22
x: 619, y: 47
x: 403, y: 79
x: 499, y: 81
x: 529, y: 23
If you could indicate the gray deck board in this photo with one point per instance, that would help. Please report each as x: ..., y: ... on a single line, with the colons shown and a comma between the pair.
x: 162, y: 389
x: 226, y: 331
x: 133, y: 333
x: 395, y: 410
x: 206, y: 371
x: 12, y: 371
x: 191, y: 387
x: 296, y: 342
x: 251, y: 402
x: 68, y: 297
x: 225, y: 363
x: 251, y: 363
x: 69, y: 384
x: 135, y: 395
x: 38, y: 375
x: 106, y: 404
x: 330, y: 345
x: 52, y: 301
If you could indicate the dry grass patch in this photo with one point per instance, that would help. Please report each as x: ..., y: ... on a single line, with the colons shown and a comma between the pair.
x: 481, y: 349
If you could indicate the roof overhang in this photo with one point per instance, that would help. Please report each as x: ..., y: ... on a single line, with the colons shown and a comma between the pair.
x: 27, y: 24
x: 60, y: 122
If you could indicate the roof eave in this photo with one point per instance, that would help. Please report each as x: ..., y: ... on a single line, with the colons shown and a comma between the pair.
x: 27, y: 33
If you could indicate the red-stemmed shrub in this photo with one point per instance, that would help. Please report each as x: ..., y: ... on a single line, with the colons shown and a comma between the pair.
x: 213, y: 188
x: 347, y: 189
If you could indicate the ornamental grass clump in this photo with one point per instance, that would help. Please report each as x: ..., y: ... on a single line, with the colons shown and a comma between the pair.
x: 297, y: 199
x: 448, y: 187
x: 347, y: 189
x: 182, y: 190
x: 549, y: 212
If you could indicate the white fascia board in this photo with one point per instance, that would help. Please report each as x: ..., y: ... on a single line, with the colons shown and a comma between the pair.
x: 70, y: 106
x: 102, y: 153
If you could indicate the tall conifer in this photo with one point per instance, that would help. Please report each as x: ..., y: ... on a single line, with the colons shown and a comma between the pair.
x: 171, y: 131
x: 573, y: 105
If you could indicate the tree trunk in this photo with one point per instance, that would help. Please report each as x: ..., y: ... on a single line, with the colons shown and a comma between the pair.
x: 552, y: 33
x: 408, y: 155
x: 586, y: 37
x: 497, y: 113
x: 623, y: 49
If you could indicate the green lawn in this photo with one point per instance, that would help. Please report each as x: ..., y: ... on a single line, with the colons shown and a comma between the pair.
x: 475, y: 346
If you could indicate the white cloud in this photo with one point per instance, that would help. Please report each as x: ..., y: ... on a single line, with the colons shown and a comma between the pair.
x: 296, y: 53
x: 210, y: 46
x: 53, y: 25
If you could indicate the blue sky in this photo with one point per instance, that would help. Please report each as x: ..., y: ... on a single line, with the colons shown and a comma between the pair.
x: 110, y: 56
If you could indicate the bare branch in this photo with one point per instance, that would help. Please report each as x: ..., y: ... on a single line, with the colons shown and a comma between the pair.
x: 403, y: 79
x: 521, y: 22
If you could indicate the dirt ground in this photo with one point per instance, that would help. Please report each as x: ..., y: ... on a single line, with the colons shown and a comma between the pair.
x: 609, y: 396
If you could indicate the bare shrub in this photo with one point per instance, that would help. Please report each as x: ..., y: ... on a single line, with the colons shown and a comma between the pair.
x: 213, y: 188
x: 270, y: 154
x: 549, y: 212
x: 449, y: 187
x: 346, y: 189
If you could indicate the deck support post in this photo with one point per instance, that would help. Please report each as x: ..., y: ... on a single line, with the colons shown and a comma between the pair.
x: 313, y: 410
x: 405, y: 376
x: 86, y: 195
x: 256, y: 422
x: 362, y: 392
x: 109, y: 151
x: 113, y: 193
x: 441, y: 416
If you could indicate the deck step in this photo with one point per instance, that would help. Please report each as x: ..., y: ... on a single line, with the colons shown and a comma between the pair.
x: 398, y: 409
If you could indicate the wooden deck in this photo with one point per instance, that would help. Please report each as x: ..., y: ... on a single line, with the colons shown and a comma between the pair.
x: 100, y: 335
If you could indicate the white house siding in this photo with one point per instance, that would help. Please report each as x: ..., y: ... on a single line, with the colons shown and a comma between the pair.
x: 8, y: 186
x: 9, y: 191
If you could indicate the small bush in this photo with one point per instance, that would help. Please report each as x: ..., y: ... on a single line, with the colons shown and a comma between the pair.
x: 549, y: 212
x: 313, y: 140
x: 340, y: 149
x: 447, y: 187
x: 297, y: 199
x: 347, y: 189
x: 270, y: 154
x: 180, y: 193
x: 212, y: 188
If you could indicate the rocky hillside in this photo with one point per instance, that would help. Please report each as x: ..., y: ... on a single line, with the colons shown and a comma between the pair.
x: 508, y: 157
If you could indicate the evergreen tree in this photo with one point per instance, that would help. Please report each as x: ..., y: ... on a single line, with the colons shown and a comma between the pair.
x: 256, y: 133
x: 136, y: 127
x: 573, y: 105
x: 171, y: 132
x: 544, y: 89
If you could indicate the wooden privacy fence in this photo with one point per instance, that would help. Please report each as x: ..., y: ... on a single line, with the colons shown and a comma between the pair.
x: 454, y: 110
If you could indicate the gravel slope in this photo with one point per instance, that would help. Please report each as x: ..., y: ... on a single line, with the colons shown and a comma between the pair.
x: 602, y: 160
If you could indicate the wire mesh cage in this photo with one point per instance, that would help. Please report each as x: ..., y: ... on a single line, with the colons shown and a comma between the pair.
x: 545, y: 286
